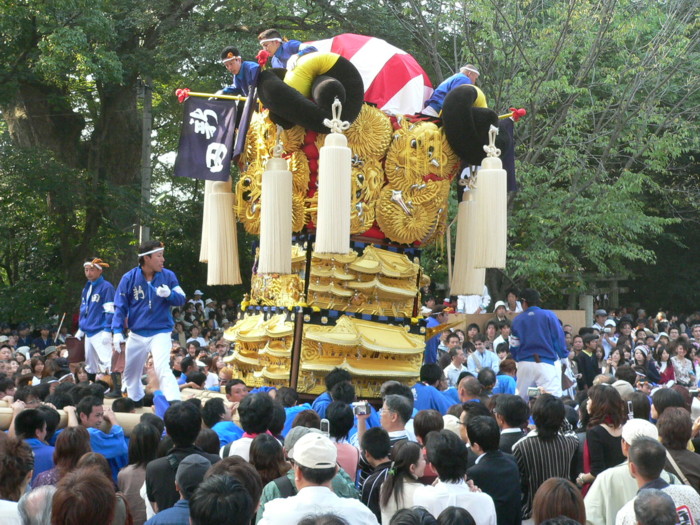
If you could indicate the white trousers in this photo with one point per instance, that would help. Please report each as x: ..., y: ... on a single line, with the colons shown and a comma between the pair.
x: 98, y: 356
x: 539, y: 374
x: 137, y: 350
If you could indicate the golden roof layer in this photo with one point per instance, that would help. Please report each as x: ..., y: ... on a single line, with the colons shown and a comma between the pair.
x: 363, y: 367
x: 370, y: 335
x: 389, y: 263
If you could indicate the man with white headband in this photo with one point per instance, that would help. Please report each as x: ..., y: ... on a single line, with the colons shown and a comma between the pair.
x: 282, y: 50
x: 245, y: 73
x: 95, y: 323
x: 144, y: 298
x: 467, y: 75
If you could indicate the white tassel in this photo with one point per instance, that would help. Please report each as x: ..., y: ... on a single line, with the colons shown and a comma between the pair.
x: 334, y: 189
x: 492, y: 204
x: 204, y: 246
x: 223, y: 267
x: 276, y: 218
x: 466, y: 279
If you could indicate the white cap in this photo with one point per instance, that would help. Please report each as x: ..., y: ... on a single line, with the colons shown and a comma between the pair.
x: 315, y: 451
x: 636, y: 428
x: 198, y: 292
x: 499, y: 303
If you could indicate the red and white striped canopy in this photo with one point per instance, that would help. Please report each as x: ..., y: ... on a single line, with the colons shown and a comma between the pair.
x: 393, y: 80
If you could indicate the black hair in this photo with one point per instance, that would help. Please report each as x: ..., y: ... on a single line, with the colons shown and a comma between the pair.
x: 269, y: 33
x: 187, y: 362
x: 394, y: 387
x: 322, y: 519
x: 413, y: 516
x: 198, y: 378
x: 344, y: 392
x: 427, y: 421
x: 455, y: 516
x: 222, y: 500
x: 649, y: 456
x: 376, y: 442
x: 287, y: 396
x: 431, y: 373
x: 318, y: 476
x: 229, y: 49
x: 212, y: 411
x: 182, y: 423
x: 23, y: 393
x: 28, y: 422
x: 59, y: 400
x: 147, y: 246
x: 405, y: 454
x: 233, y: 383
x: 6, y: 383
x: 154, y: 421
x: 479, y: 337
x: 335, y: 376
x: 449, y: 456
x: 52, y: 418
x: 256, y: 413
x: 400, y: 405
x: 451, y: 335
x: 474, y: 409
x: 655, y: 507
x: 626, y: 373
x: 340, y: 418
x: 208, y: 441
x: 123, y: 404
x: 86, y: 405
x: 548, y: 413
x: 487, y: 378
x: 484, y: 431
x: 665, y: 398
x: 143, y: 444
x: 279, y: 418
x: 641, y: 407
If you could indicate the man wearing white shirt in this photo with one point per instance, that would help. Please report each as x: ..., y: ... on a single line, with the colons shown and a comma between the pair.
x: 455, y: 367
x: 504, y: 329
x: 315, y: 458
x: 474, y: 304
x: 449, y: 457
x: 481, y: 358
x: 195, y: 337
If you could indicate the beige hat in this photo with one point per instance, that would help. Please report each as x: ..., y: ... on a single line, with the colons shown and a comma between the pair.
x: 452, y: 424
x: 623, y: 388
x: 294, y: 435
x: 315, y: 451
x: 636, y: 428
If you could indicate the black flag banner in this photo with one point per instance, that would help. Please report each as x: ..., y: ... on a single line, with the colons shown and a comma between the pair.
x: 206, y: 139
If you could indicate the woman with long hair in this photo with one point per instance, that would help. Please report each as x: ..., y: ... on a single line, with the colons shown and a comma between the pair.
x: 602, y: 448
x: 663, y: 363
x: 37, y: 366
x: 613, y: 362
x: 642, y: 364
x: 682, y: 366
x: 267, y: 456
x: 143, y: 445
x: 402, y: 480
x: 71, y: 444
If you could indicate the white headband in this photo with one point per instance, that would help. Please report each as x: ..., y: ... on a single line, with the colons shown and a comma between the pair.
x: 471, y: 69
x: 152, y: 251
x: 270, y: 40
x: 229, y: 59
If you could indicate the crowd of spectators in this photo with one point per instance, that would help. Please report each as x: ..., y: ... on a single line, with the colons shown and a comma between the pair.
x: 460, y: 446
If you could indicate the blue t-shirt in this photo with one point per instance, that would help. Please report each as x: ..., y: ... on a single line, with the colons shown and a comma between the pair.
x: 504, y: 385
x: 43, y: 456
x: 178, y: 514
x: 228, y: 432
x: 112, y: 446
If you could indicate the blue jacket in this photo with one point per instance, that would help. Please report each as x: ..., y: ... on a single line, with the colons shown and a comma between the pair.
x: 427, y: 397
x: 112, y: 446
x: 431, y: 345
x: 438, y: 97
x: 538, y: 332
x: 96, y: 307
x: 178, y: 514
x: 287, y: 50
x: 137, y: 300
x: 246, y: 78
x: 228, y: 432
x: 43, y: 456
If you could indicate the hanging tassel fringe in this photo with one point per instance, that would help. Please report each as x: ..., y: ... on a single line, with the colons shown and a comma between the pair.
x: 334, y: 189
x: 222, y: 241
x: 204, y: 246
x: 492, y: 205
x: 276, y: 218
x: 466, y: 279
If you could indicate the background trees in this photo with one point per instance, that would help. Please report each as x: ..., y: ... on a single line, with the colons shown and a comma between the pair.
x: 606, y: 162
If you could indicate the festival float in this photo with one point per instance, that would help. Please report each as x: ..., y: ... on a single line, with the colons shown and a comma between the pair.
x: 345, y: 182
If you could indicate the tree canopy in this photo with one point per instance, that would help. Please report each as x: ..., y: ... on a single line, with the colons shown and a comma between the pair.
x: 605, y: 157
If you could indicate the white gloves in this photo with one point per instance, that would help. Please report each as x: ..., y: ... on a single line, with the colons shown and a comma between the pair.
x: 163, y: 291
x: 79, y: 334
x: 117, y: 340
x: 106, y: 338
